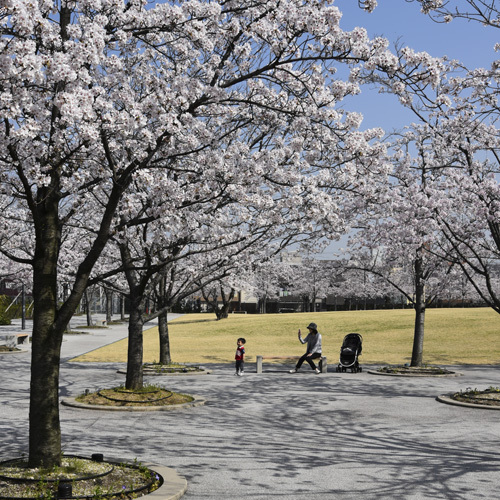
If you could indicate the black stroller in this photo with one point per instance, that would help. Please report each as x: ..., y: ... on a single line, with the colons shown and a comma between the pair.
x: 349, y: 352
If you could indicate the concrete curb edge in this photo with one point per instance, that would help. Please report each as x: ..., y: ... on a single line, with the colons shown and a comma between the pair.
x: 438, y: 375
x: 197, y: 401
x: 446, y: 399
x: 174, y: 486
x: 156, y: 374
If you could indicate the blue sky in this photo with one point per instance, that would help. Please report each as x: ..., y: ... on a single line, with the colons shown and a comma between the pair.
x: 397, y: 20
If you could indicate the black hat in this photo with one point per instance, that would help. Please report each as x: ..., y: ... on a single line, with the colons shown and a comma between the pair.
x: 313, y: 326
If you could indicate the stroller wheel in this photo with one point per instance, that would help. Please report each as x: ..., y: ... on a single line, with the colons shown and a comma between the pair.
x: 337, y: 369
x: 344, y: 369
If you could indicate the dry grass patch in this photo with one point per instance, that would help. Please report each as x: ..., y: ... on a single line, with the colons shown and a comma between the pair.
x: 147, y: 396
x: 452, y: 336
x: 4, y: 348
x: 487, y: 397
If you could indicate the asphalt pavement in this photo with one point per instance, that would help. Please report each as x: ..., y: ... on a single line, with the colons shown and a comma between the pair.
x: 279, y: 435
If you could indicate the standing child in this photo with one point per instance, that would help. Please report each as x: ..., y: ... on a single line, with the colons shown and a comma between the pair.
x: 240, y: 356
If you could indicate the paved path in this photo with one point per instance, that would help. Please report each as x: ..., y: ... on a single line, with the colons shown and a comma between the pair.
x: 281, y: 436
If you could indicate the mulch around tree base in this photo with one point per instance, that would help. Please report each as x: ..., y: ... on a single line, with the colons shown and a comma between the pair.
x: 485, y: 405
x: 409, y: 371
x: 197, y: 401
x: 159, y: 370
x: 173, y: 485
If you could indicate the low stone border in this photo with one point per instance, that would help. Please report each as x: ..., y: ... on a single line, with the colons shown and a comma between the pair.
x: 452, y: 374
x: 447, y: 399
x: 197, y: 401
x: 156, y: 374
x: 14, y: 352
x: 165, y: 374
x: 173, y: 487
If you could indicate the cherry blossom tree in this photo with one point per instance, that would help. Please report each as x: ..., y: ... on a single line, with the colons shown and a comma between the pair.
x: 178, y: 281
x: 199, y: 274
x: 264, y: 281
x: 96, y: 95
x: 486, y: 12
x: 311, y: 280
x: 399, y: 239
x: 218, y: 298
x: 176, y: 268
x: 177, y: 246
x: 464, y: 194
x: 456, y: 136
x: 359, y: 285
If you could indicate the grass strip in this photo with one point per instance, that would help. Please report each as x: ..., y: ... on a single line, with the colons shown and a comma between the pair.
x: 452, y: 336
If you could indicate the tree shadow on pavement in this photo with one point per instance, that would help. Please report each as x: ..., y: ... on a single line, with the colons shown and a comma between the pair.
x: 286, y: 435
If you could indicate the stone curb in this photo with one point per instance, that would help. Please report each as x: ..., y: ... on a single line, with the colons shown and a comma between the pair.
x: 175, y: 374
x: 156, y: 374
x: 173, y: 487
x: 441, y: 375
x: 197, y: 401
x: 446, y: 399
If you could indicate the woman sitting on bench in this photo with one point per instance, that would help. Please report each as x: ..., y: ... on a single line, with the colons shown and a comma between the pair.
x: 313, y: 340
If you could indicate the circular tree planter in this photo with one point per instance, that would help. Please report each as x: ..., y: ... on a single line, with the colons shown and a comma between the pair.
x: 171, y: 370
x: 113, y: 480
x: 489, y: 399
x: 11, y: 350
x: 157, y: 369
x: 148, y: 398
x: 410, y: 371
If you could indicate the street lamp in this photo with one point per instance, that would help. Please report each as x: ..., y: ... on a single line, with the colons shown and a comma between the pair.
x: 23, y: 308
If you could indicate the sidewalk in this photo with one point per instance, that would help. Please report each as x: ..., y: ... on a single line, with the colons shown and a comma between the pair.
x: 276, y: 435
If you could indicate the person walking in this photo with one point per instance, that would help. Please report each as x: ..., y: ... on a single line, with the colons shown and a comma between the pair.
x: 313, y: 341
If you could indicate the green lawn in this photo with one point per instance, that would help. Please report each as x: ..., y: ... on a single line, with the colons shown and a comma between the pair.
x: 452, y: 336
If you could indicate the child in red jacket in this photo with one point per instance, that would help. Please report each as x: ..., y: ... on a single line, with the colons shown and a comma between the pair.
x: 240, y: 356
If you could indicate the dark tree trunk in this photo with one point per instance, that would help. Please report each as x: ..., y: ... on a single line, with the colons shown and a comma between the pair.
x: 88, y: 300
x: 134, y: 378
x: 45, y: 431
x: 164, y: 339
x: 137, y: 300
x: 109, y: 305
x: 223, y: 310
x: 263, y: 305
x: 418, y: 336
x: 212, y: 300
x: 122, y: 308
x: 165, y: 357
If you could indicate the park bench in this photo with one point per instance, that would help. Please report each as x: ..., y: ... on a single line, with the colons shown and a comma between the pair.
x: 23, y: 338
x: 323, y: 366
x: 15, y: 339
